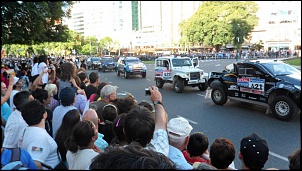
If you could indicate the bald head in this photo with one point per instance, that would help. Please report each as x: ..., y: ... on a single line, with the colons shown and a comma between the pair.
x: 91, y: 115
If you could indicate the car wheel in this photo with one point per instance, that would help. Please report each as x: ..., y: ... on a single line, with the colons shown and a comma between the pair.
x: 284, y: 108
x: 218, y: 95
x: 144, y: 75
x: 203, y: 86
x: 159, y: 83
x: 178, y: 85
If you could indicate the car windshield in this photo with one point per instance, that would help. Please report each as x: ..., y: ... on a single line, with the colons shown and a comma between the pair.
x: 280, y: 69
x: 107, y: 59
x: 95, y: 59
x: 132, y: 60
x: 181, y: 62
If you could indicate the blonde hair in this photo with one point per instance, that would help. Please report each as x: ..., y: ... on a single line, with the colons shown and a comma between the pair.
x: 50, y: 88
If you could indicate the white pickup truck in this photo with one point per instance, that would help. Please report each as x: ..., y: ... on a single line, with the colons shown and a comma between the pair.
x: 180, y: 72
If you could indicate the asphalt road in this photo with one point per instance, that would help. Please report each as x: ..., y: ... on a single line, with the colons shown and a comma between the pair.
x: 234, y: 120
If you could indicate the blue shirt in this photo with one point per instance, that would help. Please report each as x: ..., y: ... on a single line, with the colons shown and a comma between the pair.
x: 25, y: 158
x: 5, y: 111
x: 100, y: 142
x: 178, y: 158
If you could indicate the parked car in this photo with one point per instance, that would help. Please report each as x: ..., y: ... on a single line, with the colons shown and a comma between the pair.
x: 107, y: 63
x: 93, y: 62
x: 270, y: 83
x: 131, y: 66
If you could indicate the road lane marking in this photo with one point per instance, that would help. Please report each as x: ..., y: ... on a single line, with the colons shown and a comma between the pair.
x: 201, y: 95
x: 278, y: 156
x: 188, y: 120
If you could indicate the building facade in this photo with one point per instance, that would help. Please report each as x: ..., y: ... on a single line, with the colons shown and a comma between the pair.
x: 146, y: 27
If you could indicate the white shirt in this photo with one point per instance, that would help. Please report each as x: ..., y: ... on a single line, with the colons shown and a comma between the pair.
x: 11, y: 98
x: 14, y: 129
x: 80, y: 160
x: 57, y: 117
x: 34, y: 69
x: 40, y: 145
x: 40, y: 70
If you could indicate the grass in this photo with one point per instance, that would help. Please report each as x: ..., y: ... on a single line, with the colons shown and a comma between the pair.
x: 148, y: 62
x: 294, y: 61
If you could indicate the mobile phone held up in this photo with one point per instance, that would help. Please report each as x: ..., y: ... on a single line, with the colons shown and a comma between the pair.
x: 147, y: 92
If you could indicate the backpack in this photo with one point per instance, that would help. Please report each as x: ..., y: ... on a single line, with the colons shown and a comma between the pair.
x: 15, y: 161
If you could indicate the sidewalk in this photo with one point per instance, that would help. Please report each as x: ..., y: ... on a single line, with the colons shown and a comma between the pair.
x: 298, y: 67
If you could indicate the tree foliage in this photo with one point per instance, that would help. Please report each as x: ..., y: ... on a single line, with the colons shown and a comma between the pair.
x: 217, y: 23
x: 34, y: 22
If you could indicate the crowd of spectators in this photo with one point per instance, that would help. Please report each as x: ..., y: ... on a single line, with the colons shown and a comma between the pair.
x: 59, y: 115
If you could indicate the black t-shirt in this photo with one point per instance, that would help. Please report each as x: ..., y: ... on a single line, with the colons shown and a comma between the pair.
x: 83, y: 85
x: 90, y: 89
x: 107, y: 130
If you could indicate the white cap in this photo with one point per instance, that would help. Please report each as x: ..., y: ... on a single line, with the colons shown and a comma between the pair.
x: 179, y: 128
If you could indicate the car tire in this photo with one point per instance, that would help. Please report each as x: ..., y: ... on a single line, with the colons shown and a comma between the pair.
x: 284, y: 108
x: 144, y: 74
x: 203, y: 86
x: 178, y: 85
x: 159, y: 83
x: 218, y: 95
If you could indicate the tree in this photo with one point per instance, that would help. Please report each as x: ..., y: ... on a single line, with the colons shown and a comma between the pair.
x: 34, y: 22
x: 90, y: 45
x: 107, y: 44
x: 217, y: 23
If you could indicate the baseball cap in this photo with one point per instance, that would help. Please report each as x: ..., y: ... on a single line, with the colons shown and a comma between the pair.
x: 67, y: 94
x: 179, y: 128
x: 254, y: 150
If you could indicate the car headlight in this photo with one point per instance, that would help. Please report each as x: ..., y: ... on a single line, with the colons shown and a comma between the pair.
x: 187, y: 74
x: 130, y: 66
x: 201, y: 73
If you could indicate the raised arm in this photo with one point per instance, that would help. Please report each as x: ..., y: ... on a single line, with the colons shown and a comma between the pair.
x: 9, y: 90
x: 161, y: 118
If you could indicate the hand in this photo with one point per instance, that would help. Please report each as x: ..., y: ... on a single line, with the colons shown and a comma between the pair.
x: 45, y: 70
x: 96, y: 149
x: 81, y: 92
x: 155, y: 94
x: 53, y: 68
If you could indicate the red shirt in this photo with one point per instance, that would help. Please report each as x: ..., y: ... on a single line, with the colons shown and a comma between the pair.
x: 193, y: 160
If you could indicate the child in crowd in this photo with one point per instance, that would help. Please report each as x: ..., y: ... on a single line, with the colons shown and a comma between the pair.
x: 197, y: 149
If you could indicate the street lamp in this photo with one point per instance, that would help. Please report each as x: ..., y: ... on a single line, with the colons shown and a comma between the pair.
x: 237, y: 47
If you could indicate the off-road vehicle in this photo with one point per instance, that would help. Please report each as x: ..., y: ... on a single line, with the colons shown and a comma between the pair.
x: 180, y: 72
x: 269, y: 83
x: 131, y: 66
x: 107, y: 63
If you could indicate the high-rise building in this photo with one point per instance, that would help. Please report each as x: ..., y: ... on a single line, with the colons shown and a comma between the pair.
x: 279, y: 26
